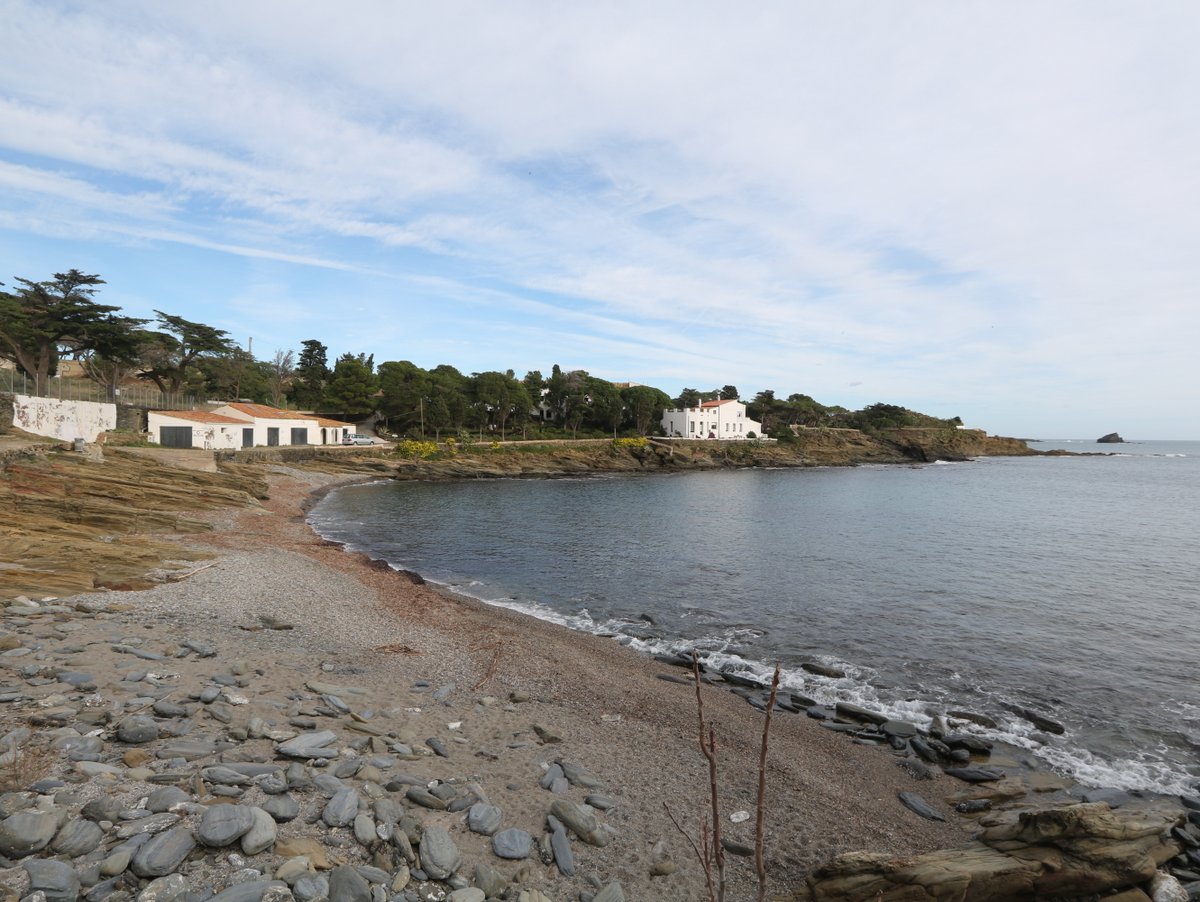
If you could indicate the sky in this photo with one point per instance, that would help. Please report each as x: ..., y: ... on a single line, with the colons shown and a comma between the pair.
x: 986, y: 210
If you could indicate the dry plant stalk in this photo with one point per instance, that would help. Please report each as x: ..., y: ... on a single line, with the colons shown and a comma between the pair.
x: 709, y: 852
x: 23, y: 766
x: 497, y: 648
x: 760, y: 865
x: 709, y: 749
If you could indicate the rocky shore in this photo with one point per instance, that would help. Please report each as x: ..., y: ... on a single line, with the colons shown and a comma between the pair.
x: 276, y: 718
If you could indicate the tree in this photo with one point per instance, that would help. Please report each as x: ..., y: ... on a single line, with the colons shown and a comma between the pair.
x: 280, y: 369
x: 767, y: 409
x: 534, y: 384
x: 689, y: 397
x: 556, y: 392
x: 406, y: 390
x: 307, y: 390
x: 644, y: 407
x: 118, y: 355
x: 41, y: 321
x: 880, y: 416
x: 233, y: 376
x: 502, y: 396
x: 606, y: 409
x: 353, y: 385
x: 451, y: 396
x: 728, y: 393
x: 184, y: 343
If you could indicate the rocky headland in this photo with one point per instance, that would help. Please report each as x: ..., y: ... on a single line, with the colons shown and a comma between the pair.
x: 233, y: 708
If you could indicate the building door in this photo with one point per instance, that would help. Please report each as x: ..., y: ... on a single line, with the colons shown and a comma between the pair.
x: 299, y: 435
x: 247, y: 436
x: 175, y: 436
x: 272, y: 436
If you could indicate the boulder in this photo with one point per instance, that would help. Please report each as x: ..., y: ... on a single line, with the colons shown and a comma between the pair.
x: 1065, y: 852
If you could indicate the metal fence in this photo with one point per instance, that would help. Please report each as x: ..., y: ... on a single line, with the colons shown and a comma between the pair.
x: 75, y: 389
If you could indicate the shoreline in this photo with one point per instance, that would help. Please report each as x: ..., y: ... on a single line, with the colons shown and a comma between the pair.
x: 507, y: 681
x: 1022, y: 732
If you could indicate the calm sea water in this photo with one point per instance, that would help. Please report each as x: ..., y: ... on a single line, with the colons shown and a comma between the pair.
x: 1067, y: 585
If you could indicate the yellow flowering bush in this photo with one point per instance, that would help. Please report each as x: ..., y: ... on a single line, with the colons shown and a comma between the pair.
x: 411, y: 448
x: 640, y: 442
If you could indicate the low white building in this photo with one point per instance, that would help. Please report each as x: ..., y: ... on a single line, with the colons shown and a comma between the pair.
x: 716, y: 420
x: 242, y: 425
x: 196, y: 429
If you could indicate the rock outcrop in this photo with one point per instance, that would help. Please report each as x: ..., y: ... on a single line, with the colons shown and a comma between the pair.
x: 75, y: 525
x: 1112, y: 438
x: 1056, y: 853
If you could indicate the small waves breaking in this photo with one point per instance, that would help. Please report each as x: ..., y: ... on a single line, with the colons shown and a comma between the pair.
x: 859, y: 686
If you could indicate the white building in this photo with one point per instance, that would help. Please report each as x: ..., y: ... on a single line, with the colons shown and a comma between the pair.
x: 195, y: 429
x: 243, y: 426
x: 718, y: 420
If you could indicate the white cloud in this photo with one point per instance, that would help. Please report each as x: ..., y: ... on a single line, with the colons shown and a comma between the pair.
x: 938, y: 201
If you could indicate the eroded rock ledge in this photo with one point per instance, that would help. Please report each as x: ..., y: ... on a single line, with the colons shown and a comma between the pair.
x: 1059, y: 853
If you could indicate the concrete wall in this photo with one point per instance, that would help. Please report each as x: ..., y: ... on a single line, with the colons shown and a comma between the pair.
x: 66, y: 420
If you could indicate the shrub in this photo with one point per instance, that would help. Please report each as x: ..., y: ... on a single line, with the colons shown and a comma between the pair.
x: 412, y: 448
x: 639, y: 442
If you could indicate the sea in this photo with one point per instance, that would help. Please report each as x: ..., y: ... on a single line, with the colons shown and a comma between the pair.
x: 1067, y: 585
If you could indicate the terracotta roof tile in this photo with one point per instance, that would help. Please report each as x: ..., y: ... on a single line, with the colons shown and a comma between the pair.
x: 200, y: 416
x: 266, y: 412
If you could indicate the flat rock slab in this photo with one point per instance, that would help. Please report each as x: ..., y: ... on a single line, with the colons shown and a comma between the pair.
x: 915, y: 803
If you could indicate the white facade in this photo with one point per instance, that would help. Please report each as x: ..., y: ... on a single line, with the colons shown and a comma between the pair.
x: 65, y: 420
x: 207, y: 430
x: 244, y: 426
x: 274, y: 427
x: 712, y: 420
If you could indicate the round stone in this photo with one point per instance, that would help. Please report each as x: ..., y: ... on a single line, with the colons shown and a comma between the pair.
x: 137, y: 729
x: 222, y: 824
x: 512, y: 843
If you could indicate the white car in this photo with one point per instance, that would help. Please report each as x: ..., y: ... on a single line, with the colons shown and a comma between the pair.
x: 357, y: 438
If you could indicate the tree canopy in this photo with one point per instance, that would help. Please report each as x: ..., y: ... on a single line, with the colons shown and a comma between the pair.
x: 42, y: 321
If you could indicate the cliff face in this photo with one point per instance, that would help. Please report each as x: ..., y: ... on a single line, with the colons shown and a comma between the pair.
x: 953, y: 444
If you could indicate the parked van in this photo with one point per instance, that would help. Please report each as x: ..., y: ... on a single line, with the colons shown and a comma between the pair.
x: 357, y: 438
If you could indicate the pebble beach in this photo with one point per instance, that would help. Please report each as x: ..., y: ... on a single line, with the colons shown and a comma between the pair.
x: 293, y: 721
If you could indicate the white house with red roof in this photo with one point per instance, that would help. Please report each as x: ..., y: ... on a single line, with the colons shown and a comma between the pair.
x: 241, y: 425
x: 716, y: 420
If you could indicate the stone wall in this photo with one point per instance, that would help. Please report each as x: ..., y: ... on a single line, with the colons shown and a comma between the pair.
x: 65, y: 420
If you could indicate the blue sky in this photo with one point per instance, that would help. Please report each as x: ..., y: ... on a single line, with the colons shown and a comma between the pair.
x: 986, y: 210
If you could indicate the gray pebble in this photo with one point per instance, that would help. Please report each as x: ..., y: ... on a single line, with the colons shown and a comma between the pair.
x: 439, y: 855
x: 55, y: 879
x: 162, y: 854
x: 137, y: 729
x: 484, y: 818
x: 512, y: 843
x: 223, y: 824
